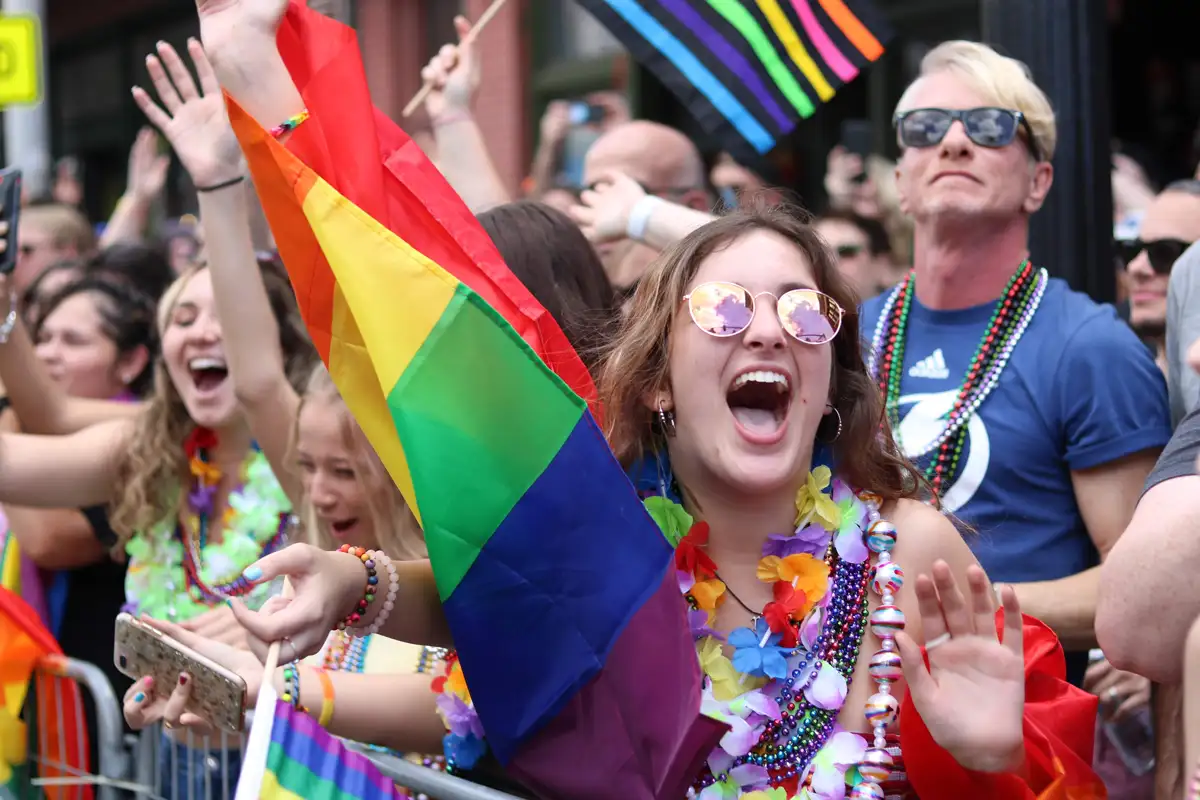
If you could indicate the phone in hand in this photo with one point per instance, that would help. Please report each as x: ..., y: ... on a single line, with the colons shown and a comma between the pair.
x: 10, y: 212
x: 218, y: 693
x: 582, y: 113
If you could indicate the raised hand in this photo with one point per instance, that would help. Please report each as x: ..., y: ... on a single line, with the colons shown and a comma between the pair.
x: 193, y: 119
x: 225, y: 22
x: 603, y: 210
x: 147, y: 167
x: 454, y: 73
x: 972, y: 696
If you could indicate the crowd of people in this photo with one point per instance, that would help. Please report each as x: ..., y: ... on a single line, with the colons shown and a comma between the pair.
x: 945, y: 498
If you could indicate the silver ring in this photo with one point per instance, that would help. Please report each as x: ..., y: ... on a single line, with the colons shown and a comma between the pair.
x: 937, y: 641
x: 288, y: 641
x: 1113, y: 695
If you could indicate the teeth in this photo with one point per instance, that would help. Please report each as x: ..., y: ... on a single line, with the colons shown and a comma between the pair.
x: 206, y: 363
x: 763, y: 376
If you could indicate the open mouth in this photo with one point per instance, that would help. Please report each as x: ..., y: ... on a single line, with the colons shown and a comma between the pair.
x: 341, y: 528
x: 759, y: 401
x: 208, y: 373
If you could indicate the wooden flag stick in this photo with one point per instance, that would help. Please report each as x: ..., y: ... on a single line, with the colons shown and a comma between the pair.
x: 471, y: 36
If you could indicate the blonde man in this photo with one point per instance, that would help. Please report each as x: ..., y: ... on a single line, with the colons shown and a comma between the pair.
x: 1036, y: 413
x: 48, y: 234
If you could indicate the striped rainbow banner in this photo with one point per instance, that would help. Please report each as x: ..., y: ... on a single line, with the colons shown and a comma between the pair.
x: 748, y: 70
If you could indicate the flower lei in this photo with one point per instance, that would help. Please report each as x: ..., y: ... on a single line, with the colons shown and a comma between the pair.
x: 791, y: 669
x: 463, y: 743
x: 175, y: 573
x: 789, y: 676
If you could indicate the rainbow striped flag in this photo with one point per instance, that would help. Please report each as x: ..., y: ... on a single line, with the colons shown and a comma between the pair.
x: 748, y: 71
x: 566, y: 617
x: 290, y: 757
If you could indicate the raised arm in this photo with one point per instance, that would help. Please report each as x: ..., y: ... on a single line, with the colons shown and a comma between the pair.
x: 193, y: 120
x: 616, y: 207
x: 239, y: 37
x: 463, y: 155
x: 41, y: 404
x: 73, y: 471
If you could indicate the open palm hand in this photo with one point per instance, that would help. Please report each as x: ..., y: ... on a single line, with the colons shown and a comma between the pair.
x: 193, y: 119
x: 223, y: 21
x: 972, y: 695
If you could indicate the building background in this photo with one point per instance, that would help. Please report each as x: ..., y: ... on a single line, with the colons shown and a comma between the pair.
x: 1129, y: 68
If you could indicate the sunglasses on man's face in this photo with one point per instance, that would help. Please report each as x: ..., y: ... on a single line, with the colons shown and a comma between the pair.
x: 1161, y: 253
x: 721, y: 308
x: 986, y: 127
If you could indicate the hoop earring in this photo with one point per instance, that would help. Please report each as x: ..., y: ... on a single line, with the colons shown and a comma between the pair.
x: 837, y: 414
x: 667, y: 420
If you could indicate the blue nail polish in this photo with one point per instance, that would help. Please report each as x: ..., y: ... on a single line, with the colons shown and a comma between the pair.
x: 252, y: 573
x: 139, y: 697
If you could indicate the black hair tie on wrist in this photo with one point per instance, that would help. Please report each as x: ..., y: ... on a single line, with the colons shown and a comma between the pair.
x: 222, y: 185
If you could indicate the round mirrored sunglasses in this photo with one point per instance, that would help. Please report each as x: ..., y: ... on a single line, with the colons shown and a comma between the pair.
x: 722, y: 308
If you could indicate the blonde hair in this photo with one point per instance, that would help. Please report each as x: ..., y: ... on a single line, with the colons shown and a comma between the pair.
x: 153, y: 470
x: 1004, y: 81
x: 396, y: 529
x: 67, y: 226
x: 154, y: 467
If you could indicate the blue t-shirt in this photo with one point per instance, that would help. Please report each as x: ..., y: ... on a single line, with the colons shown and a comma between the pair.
x: 1079, y: 391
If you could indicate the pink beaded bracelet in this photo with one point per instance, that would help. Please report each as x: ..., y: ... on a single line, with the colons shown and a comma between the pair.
x: 382, y: 564
x: 1193, y: 792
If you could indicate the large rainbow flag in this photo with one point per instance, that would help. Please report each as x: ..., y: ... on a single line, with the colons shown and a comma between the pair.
x: 748, y: 70
x: 567, y: 621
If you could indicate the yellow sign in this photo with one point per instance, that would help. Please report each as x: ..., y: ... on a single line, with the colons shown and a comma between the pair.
x: 20, y: 59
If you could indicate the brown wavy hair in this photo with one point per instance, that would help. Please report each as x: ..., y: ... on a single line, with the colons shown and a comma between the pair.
x: 152, y: 470
x: 637, y: 365
x: 396, y: 529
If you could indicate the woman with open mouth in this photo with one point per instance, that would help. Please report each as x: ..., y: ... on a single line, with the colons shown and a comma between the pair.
x: 190, y: 496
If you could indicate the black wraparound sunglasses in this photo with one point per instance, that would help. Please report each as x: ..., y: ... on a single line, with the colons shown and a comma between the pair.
x: 986, y: 127
x: 1162, y: 253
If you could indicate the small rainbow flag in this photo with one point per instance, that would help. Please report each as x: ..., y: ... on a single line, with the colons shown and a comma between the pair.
x: 290, y: 757
x: 554, y: 579
x: 748, y: 71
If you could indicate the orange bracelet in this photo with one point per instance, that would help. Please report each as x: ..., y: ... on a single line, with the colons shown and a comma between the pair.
x: 326, y: 698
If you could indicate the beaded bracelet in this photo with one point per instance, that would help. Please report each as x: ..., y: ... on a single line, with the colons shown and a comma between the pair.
x: 291, y: 687
x: 389, y: 602
x: 355, y: 616
x: 290, y: 124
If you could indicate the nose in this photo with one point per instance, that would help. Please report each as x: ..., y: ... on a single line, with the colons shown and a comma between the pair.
x: 319, y: 492
x: 207, y: 329
x: 48, y: 351
x: 956, y: 142
x: 765, y: 332
x: 1139, y: 267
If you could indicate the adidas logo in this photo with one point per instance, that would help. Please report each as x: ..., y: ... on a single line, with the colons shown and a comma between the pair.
x: 932, y: 367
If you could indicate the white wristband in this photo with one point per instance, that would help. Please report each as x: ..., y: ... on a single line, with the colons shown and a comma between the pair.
x: 639, y: 216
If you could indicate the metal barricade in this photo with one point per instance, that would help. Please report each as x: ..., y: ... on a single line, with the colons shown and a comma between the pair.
x: 108, y: 730
x: 135, y: 766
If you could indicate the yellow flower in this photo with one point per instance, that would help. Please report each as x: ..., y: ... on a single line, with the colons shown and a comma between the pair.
x: 708, y: 594
x: 456, y: 683
x: 209, y: 474
x: 727, y: 682
x: 813, y: 505
x: 767, y: 794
